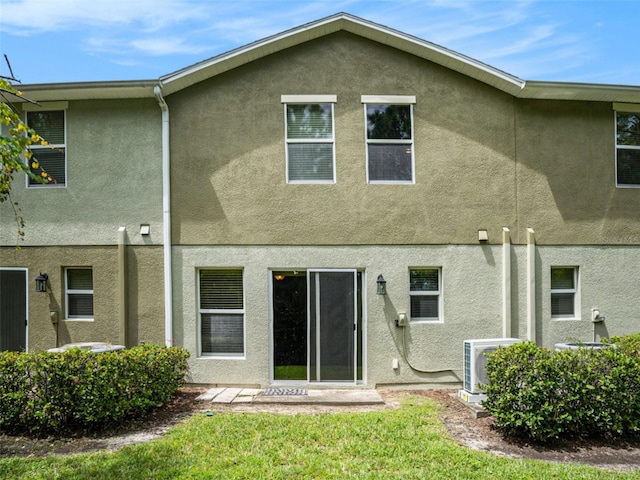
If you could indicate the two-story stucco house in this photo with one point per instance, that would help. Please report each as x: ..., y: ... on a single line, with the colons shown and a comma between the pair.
x: 278, y: 208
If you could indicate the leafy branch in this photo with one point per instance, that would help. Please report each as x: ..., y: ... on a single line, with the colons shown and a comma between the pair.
x: 16, y: 139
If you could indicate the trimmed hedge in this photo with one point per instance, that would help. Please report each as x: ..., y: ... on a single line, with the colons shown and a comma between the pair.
x: 77, y: 389
x: 542, y: 395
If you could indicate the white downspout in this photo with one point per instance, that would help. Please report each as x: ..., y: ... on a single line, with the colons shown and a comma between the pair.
x: 506, y: 283
x: 531, y: 285
x: 166, y: 218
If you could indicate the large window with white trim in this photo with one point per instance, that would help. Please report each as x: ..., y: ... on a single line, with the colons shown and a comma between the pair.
x: 309, y: 137
x: 425, y: 292
x: 389, y: 137
x: 628, y: 149
x: 564, y: 292
x: 50, y: 154
x: 79, y: 293
x: 221, y: 311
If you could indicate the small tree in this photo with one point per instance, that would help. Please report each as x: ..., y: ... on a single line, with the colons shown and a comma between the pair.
x: 16, y: 138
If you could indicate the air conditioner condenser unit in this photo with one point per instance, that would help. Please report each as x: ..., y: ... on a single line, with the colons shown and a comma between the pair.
x: 475, y: 360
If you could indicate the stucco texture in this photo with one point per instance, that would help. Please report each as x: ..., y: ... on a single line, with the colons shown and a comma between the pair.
x: 228, y: 153
x: 114, y: 179
x: 145, y: 308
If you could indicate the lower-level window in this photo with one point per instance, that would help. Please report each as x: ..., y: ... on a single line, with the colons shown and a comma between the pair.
x: 79, y: 293
x: 221, y: 312
x: 564, y: 281
x: 425, y: 294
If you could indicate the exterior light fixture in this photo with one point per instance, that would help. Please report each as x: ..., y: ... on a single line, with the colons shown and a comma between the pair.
x: 145, y: 229
x: 382, y: 285
x: 483, y: 236
x: 41, y: 283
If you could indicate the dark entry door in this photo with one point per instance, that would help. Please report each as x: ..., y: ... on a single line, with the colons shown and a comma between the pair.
x: 332, y: 325
x: 13, y: 310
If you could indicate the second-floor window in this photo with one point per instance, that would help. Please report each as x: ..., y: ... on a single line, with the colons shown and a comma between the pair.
x: 51, y: 158
x: 309, y: 138
x: 389, y: 136
x: 627, y: 149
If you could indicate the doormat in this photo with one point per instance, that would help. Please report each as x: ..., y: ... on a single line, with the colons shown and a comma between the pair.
x: 285, y: 391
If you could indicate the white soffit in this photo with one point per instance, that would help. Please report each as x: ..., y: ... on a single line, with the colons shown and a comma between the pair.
x: 86, y: 90
x: 581, y: 91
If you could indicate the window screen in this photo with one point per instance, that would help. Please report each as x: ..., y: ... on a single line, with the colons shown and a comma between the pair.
x: 389, y: 143
x: 309, y: 140
x: 424, y: 293
x: 221, y: 312
x: 50, y: 125
x: 628, y: 149
x: 563, y: 292
x: 79, y: 292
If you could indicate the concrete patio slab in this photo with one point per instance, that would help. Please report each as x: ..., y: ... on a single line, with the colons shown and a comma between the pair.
x: 313, y: 397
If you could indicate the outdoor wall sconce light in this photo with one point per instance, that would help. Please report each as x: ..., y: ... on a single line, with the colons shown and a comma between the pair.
x: 382, y: 285
x: 145, y: 229
x: 483, y: 236
x: 41, y: 282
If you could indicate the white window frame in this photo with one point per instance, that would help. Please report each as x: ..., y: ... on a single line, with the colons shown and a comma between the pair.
x: 624, y: 109
x: 431, y: 293
x: 390, y: 100
x: 69, y: 291
x: 222, y: 311
x: 575, y: 291
x: 49, y: 107
x: 310, y: 100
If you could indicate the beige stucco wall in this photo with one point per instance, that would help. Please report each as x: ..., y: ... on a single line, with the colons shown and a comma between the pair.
x: 566, y: 175
x: 608, y: 280
x: 228, y: 153
x: 472, y: 302
x: 114, y: 179
x: 483, y: 159
x: 144, y: 294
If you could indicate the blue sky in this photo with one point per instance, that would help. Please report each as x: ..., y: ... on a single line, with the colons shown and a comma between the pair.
x: 93, y: 40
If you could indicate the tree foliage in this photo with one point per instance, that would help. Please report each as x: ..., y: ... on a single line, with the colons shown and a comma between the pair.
x: 16, y: 156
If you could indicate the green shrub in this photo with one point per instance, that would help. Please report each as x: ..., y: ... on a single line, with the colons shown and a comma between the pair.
x: 77, y: 389
x: 629, y: 344
x: 543, y: 395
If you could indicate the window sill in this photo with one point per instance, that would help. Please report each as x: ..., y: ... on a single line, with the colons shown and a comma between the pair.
x: 213, y: 356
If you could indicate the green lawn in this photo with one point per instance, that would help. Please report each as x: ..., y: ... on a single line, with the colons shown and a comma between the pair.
x: 406, y: 443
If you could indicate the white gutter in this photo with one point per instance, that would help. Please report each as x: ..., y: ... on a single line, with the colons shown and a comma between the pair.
x: 506, y: 283
x: 166, y: 218
x: 531, y: 285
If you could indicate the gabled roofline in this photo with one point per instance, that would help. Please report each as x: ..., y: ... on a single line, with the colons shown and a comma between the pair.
x: 224, y: 62
x: 198, y: 72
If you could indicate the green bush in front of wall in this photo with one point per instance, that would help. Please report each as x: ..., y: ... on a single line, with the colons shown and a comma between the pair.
x: 542, y: 395
x: 78, y: 390
x: 629, y: 344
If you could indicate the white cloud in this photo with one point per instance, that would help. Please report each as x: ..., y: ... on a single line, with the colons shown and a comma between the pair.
x: 28, y: 17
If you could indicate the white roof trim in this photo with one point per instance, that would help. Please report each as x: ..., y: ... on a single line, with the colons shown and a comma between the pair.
x: 341, y: 22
